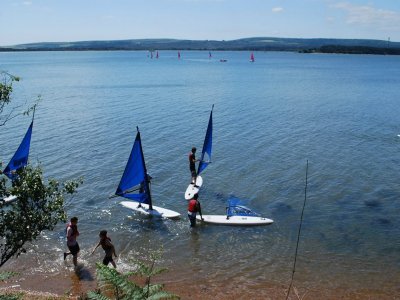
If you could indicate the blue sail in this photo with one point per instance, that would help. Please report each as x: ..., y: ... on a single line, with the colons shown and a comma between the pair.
x: 207, y: 146
x: 236, y: 208
x: 134, y: 178
x: 20, y: 158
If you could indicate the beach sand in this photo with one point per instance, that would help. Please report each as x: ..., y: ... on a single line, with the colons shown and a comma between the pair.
x: 72, y: 284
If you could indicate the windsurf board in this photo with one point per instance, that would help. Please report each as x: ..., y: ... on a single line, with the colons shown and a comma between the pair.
x: 235, y: 220
x: 192, y: 189
x: 155, y: 212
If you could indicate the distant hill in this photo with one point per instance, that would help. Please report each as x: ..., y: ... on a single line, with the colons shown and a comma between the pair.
x: 254, y: 44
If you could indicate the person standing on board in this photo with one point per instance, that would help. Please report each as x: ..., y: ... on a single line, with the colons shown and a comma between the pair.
x: 108, y: 248
x: 192, y: 165
x: 72, y: 244
x: 194, y: 208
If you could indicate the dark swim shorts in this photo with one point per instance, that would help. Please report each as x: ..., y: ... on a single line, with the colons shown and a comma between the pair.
x: 74, y: 249
x: 107, y: 260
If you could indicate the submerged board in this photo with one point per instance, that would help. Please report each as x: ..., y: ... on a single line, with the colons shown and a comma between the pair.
x: 10, y: 199
x: 235, y: 220
x: 192, y: 189
x: 155, y: 212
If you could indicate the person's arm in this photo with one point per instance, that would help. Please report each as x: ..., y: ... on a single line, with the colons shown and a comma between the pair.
x: 69, y: 232
x: 113, y: 249
x: 199, y: 206
x: 95, y: 248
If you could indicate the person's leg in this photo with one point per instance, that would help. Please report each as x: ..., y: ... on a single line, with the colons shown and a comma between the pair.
x: 194, y: 175
x: 192, y: 219
x: 74, y: 253
x: 106, y: 261
x: 75, y: 260
x: 71, y: 250
x: 113, y: 263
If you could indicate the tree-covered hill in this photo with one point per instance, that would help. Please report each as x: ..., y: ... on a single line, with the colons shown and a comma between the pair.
x: 254, y: 44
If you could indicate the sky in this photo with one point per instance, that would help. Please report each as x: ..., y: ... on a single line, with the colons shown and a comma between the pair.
x: 28, y: 21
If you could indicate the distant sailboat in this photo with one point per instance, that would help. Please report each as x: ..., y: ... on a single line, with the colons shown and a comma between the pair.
x: 136, y: 179
x: 157, y: 54
x: 179, y: 55
x: 20, y: 158
x: 151, y: 54
x: 209, y: 55
x: 252, y: 57
x: 205, y: 154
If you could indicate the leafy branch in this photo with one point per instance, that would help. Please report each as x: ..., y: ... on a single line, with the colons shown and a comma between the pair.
x: 118, y: 286
x: 6, y: 89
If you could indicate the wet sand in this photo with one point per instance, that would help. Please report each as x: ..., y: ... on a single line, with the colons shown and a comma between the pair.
x: 73, y: 284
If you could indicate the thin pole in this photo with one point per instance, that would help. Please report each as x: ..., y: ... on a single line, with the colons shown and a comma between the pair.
x: 298, y: 234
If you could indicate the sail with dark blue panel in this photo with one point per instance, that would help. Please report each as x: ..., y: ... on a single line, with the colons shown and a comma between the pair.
x: 207, y: 146
x: 236, y: 208
x: 20, y: 158
x: 134, y: 179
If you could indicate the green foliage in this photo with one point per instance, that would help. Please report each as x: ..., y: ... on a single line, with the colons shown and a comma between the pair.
x: 118, y: 286
x: 6, y: 275
x: 40, y: 206
x: 12, y: 296
x: 6, y: 88
x: 96, y: 296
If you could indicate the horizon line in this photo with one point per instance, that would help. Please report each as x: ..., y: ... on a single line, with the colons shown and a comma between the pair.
x: 211, y: 40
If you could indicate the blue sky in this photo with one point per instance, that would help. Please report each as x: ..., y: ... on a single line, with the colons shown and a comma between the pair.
x: 26, y: 21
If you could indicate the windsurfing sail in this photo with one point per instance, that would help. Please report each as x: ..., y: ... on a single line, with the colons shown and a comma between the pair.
x: 207, y: 146
x: 157, y: 54
x: 20, y: 158
x: 179, y: 55
x: 236, y: 208
x: 209, y: 55
x: 252, y: 57
x: 135, y: 178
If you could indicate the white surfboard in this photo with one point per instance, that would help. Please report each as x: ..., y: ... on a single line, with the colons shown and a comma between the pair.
x: 155, y: 212
x: 235, y: 220
x: 10, y: 199
x: 192, y: 190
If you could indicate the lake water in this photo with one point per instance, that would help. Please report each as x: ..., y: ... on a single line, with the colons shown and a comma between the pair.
x: 340, y: 112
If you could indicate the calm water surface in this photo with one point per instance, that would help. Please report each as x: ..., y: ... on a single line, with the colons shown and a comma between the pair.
x: 341, y: 112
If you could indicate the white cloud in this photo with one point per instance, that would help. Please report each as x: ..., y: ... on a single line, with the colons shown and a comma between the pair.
x: 368, y: 15
x: 330, y: 19
x: 277, y: 9
x: 27, y: 3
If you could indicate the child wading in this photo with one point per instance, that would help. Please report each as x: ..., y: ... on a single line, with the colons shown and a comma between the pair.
x: 72, y: 244
x: 108, y: 248
x: 194, y: 208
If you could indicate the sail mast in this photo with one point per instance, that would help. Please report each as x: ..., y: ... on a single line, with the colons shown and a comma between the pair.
x: 146, y: 179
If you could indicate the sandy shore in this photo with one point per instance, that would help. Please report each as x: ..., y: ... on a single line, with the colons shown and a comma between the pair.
x: 70, y: 285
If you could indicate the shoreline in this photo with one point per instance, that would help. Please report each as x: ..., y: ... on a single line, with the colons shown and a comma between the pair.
x: 71, y: 285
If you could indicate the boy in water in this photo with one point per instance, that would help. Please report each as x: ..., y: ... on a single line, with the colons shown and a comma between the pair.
x: 108, y: 248
x: 192, y: 165
x: 72, y: 244
x: 194, y: 208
